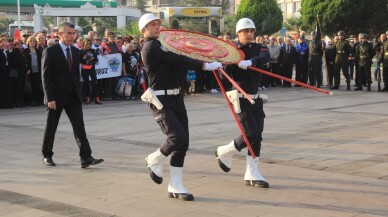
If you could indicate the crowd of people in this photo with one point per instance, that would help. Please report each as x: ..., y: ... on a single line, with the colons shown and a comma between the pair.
x: 300, y: 59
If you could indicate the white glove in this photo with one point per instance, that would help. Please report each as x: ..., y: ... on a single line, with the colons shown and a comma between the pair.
x: 243, y: 64
x: 212, y: 66
x: 264, y: 98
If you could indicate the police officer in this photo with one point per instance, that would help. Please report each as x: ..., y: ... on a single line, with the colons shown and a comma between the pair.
x: 166, y: 74
x: 251, y: 116
x: 363, y: 56
x: 343, y: 50
x: 315, y: 58
x: 384, y: 60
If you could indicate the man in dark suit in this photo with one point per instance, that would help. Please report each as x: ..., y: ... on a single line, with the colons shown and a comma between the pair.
x: 60, y: 77
x: 287, y: 60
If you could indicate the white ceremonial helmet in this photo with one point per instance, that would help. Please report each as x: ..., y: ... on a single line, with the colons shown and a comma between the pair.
x: 244, y: 23
x: 146, y: 18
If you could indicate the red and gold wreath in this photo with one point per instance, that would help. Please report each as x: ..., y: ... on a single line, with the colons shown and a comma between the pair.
x: 200, y: 46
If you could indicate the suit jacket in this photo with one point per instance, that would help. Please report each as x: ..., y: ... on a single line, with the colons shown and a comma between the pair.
x: 288, y: 58
x: 58, y: 81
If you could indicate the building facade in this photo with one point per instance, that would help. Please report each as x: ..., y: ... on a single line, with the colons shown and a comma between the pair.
x: 290, y: 8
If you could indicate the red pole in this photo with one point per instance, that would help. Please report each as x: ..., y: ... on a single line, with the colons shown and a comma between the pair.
x: 290, y: 80
x: 234, y: 114
x: 236, y: 86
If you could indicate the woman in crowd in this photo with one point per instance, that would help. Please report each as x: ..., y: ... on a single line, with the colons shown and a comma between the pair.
x: 34, y: 57
x: 17, y: 73
x: 88, y: 60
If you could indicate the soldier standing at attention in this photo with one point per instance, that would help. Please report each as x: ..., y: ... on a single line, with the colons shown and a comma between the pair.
x: 363, y: 56
x: 314, y: 64
x: 343, y: 50
x: 384, y: 60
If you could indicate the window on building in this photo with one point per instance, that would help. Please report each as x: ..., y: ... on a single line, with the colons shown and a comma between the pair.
x: 297, y: 6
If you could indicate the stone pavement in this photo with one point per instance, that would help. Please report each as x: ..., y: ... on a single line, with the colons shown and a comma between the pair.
x: 322, y: 155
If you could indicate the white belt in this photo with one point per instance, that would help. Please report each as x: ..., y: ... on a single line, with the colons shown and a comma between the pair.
x: 253, y: 96
x: 175, y: 91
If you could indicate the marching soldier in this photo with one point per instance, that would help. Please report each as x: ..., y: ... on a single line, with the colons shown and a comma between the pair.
x: 384, y: 60
x: 314, y: 64
x: 251, y: 116
x: 343, y: 50
x: 166, y: 72
x: 363, y: 56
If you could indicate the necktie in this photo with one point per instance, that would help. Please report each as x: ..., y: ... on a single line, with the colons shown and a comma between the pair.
x: 68, y: 57
x: 288, y: 49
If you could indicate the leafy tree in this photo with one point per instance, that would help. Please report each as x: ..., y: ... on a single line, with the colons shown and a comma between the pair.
x: 352, y: 16
x: 230, y: 24
x: 4, y: 23
x: 266, y: 15
x: 141, y: 5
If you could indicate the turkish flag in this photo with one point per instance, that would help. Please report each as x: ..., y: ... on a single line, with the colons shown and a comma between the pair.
x: 16, y: 35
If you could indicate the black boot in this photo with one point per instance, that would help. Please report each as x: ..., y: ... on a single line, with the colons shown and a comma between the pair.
x: 348, y: 86
x: 368, y: 87
x: 358, y: 88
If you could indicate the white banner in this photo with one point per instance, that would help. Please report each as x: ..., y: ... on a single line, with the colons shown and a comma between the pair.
x: 109, y: 66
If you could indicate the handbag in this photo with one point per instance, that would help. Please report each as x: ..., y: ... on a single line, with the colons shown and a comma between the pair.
x: 13, y: 73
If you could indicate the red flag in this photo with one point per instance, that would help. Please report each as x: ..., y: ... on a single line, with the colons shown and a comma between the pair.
x: 16, y: 35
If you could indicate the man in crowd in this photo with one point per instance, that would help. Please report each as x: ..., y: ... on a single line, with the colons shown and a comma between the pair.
x: 363, y: 56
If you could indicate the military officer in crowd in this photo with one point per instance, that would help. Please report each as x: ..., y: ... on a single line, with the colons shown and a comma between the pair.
x: 314, y: 64
x: 384, y: 60
x: 251, y: 116
x: 166, y: 72
x: 343, y: 50
x: 363, y: 57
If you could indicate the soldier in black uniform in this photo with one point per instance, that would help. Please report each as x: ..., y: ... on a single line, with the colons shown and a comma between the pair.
x: 314, y: 64
x: 166, y: 72
x: 343, y: 50
x: 251, y: 116
x: 384, y: 60
x: 330, y: 58
x: 363, y: 56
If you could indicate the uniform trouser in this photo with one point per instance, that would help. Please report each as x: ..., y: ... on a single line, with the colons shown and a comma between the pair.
x: 314, y: 70
x: 287, y: 72
x: 252, y: 120
x: 73, y: 109
x: 351, y: 69
x: 385, y: 76
x: 356, y: 77
x: 364, y: 75
x: 301, y: 72
x: 93, y: 82
x: 36, y: 85
x: 330, y: 73
x: 337, y: 75
x: 173, y: 121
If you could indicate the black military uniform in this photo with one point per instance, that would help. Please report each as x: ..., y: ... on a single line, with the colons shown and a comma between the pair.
x: 315, y: 64
x: 384, y: 60
x: 363, y: 57
x: 251, y: 116
x: 343, y: 50
x: 330, y: 54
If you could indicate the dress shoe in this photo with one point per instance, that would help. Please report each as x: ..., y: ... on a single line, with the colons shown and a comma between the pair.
x: 257, y: 183
x: 181, y: 196
x: 358, y: 88
x: 334, y: 88
x: 48, y: 161
x: 90, y: 161
x: 97, y: 100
